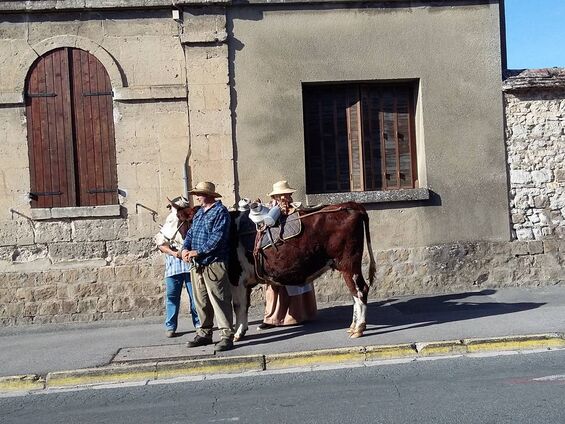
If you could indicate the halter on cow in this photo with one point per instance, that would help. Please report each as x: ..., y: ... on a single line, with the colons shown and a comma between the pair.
x: 331, y: 237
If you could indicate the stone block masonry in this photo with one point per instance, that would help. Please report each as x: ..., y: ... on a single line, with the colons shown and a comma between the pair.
x: 129, y: 285
x: 77, y: 270
x: 456, y: 267
x: 535, y: 139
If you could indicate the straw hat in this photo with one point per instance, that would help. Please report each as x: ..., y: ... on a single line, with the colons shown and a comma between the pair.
x: 205, y: 187
x: 281, y: 187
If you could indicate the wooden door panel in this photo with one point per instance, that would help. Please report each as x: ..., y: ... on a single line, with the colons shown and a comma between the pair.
x: 94, y: 135
x: 49, y: 135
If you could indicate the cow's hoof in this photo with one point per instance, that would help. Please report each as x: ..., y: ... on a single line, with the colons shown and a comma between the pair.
x: 238, y: 337
x: 351, y: 328
x: 358, y: 331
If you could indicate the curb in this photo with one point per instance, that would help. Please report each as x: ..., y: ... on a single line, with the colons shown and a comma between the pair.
x: 21, y: 383
x: 162, y: 370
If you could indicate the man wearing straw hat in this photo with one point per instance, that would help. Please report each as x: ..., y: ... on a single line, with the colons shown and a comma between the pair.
x: 207, y: 245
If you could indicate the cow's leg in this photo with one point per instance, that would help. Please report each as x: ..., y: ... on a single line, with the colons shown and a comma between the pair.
x: 351, y: 328
x: 359, y: 290
x: 240, y: 307
x: 361, y: 322
x: 361, y: 301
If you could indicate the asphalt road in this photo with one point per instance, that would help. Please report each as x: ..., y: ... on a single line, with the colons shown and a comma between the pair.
x: 506, y: 389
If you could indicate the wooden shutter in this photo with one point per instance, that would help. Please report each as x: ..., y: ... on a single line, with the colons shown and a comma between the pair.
x: 359, y: 137
x: 50, y: 147
x: 326, y: 139
x: 371, y: 106
x: 388, y: 131
x: 71, y: 146
x: 355, y: 140
x: 94, y: 131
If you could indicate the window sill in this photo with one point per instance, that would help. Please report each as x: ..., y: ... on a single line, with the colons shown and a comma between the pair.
x: 404, y: 195
x: 40, y: 214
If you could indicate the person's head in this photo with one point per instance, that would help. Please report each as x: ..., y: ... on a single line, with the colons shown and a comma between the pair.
x: 282, y: 191
x: 205, y: 193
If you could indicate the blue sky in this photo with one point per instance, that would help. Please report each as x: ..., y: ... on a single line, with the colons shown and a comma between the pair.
x: 535, y: 33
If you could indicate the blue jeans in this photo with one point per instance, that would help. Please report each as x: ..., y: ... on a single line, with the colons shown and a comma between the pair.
x: 174, y: 285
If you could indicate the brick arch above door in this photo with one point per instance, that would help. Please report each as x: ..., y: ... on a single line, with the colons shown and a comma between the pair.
x: 117, y: 79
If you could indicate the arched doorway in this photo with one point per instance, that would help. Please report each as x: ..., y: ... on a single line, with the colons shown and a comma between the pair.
x: 71, y: 144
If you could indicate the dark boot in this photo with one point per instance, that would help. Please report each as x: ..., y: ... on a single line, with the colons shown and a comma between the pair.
x: 200, y: 341
x: 224, y: 344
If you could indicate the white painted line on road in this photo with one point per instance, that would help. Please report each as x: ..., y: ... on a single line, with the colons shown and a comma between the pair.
x: 124, y: 384
x: 551, y: 378
x: 14, y: 394
x: 511, y: 352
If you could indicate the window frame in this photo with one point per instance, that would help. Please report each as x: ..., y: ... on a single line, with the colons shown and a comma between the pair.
x: 363, y: 191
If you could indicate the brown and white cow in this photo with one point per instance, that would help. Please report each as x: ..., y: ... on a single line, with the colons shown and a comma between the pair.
x: 331, y: 238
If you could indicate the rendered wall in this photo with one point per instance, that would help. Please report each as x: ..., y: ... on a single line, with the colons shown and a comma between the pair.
x: 454, y: 52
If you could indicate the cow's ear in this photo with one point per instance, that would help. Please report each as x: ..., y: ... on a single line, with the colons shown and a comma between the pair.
x: 173, y: 204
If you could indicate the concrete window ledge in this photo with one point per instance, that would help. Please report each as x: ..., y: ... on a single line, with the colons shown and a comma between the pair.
x: 155, y: 92
x: 39, y: 214
x: 405, y: 195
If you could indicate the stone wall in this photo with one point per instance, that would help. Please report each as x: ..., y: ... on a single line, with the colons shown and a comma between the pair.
x: 90, y: 264
x: 457, y: 267
x: 131, y: 286
x: 535, y: 139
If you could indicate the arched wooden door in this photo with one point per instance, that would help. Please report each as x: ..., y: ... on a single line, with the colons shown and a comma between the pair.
x: 71, y: 145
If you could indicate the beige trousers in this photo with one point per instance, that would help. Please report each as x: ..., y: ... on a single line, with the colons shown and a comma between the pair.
x: 212, y: 295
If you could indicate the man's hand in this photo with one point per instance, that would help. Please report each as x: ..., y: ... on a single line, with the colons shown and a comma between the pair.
x: 188, y: 254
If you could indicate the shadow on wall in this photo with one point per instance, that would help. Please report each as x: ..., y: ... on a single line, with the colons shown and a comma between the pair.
x: 234, y: 45
x: 434, y: 200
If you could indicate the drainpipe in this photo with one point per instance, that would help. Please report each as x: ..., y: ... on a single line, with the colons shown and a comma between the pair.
x: 185, y: 176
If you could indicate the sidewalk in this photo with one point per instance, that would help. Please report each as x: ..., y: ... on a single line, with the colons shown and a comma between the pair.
x: 405, y: 320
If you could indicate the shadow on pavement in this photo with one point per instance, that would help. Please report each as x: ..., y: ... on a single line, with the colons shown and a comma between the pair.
x: 396, y: 315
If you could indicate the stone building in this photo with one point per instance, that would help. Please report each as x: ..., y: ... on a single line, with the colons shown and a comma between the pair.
x: 108, y: 107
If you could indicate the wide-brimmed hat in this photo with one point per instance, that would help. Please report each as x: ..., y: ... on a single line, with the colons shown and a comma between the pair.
x: 180, y: 201
x: 205, y: 187
x: 281, y: 187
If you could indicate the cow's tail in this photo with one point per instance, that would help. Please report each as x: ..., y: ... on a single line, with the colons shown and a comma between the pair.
x: 372, y: 262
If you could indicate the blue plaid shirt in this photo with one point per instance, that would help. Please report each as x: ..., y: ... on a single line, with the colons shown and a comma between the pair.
x: 175, y: 266
x: 209, y: 234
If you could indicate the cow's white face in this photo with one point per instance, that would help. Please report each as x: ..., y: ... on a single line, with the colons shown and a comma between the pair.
x: 247, y: 276
x: 239, y: 292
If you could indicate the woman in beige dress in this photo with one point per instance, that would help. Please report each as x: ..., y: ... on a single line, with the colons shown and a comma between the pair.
x: 287, y: 305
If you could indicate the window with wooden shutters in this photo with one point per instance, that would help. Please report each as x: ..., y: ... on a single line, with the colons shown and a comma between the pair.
x: 71, y: 145
x: 359, y: 137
